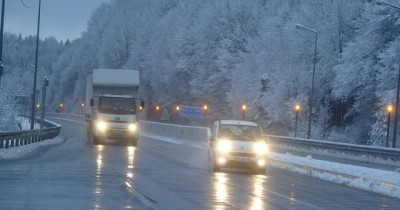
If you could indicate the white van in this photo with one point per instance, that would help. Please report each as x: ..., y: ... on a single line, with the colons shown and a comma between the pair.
x: 235, y: 143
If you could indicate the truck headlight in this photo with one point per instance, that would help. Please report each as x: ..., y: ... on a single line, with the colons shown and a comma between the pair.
x: 224, y: 146
x: 101, y: 125
x: 261, y: 148
x: 132, y: 127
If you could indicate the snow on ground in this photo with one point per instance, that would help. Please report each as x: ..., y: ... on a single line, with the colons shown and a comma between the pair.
x: 375, y: 180
x: 20, y: 152
x: 25, y: 124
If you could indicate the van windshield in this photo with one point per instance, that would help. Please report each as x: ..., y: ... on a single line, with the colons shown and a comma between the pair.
x: 240, y: 132
x: 116, y: 105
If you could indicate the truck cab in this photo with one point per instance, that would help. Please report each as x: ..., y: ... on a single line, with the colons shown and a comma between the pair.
x: 115, y: 118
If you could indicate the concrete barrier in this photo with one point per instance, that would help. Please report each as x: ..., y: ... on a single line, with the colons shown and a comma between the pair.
x: 184, y: 134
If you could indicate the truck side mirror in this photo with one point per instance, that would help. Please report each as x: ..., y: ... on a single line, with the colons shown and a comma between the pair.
x: 142, y: 104
x: 91, y: 102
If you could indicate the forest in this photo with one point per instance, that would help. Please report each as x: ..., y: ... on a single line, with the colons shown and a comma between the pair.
x: 225, y: 53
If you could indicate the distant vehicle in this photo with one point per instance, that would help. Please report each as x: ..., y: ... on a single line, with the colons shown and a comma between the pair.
x: 235, y: 143
x: 114, y: 104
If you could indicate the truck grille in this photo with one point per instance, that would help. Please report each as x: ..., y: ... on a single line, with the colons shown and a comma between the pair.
x: 242, y: 154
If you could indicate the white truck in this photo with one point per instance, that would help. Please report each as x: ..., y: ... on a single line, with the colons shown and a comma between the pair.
x: 113, y: 95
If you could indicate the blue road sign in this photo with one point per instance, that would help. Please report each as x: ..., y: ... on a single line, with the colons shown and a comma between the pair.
x: 192, y: 112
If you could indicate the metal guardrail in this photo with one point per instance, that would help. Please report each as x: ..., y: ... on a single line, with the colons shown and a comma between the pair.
x: 387, y: 154
x: 10, y: 139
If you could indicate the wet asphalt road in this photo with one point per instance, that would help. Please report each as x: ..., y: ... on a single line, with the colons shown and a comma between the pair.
x: 159, y: 175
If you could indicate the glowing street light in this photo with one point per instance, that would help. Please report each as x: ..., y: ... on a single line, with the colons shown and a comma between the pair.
x: 244, y: 108
x: 389, y: 110
x: 177, y: 108
x: 298, y: 26
x: 205, y: 107
x: 297, y: 108
x: 82, y: 105
x: 157, y: 108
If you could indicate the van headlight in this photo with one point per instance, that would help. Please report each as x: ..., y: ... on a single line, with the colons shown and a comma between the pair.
x: 101, y: 125
x: 224, y: 146
x: 261, y: 148
x: 132, y: 127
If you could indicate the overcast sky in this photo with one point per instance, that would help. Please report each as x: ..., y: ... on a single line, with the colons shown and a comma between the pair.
x: 63, y: 19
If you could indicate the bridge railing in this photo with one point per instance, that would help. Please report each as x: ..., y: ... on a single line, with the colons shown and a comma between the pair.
x: 10, y: 139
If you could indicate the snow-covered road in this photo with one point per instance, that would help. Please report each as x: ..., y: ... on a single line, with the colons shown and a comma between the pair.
x: 161, y: 175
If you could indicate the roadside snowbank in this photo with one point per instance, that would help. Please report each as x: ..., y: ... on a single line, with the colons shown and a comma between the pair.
x: 20, y: 152
x: 375, y: 180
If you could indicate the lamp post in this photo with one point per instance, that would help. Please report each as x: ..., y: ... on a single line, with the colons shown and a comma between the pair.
x: 298, y: 26
x: 177, y: 108
x: 45, y: 84
x: 36, y: 68
x: 61, y: 107
x: 244, y: 108
x: 389, y: 110
x: 156, y: 114
x: 205, y: 108
x: 1, y: 38
x: 396, y: 111
x: 83, y: 107
x: 296, y: 110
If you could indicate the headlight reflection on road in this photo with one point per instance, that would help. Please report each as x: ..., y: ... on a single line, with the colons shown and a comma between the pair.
x: 98, y: 183
x: 221, y: 190
x: 131, y: 158
x: 259, y: 193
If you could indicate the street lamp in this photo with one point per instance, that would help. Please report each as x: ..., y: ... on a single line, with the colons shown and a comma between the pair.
x: 177, y: 108
x: 244, y: 108
x: 296, y: 110
x: 298, y: 26
x: 1, y: 38
x: 205, y: 108
x: 157, y: 108
x: 389, y: 110
x: 396, y: 113
x: 36, y: 68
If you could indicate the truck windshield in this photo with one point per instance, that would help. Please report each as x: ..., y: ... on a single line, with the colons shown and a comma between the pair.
x: 115, y: 105
x: 240, y: 132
